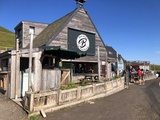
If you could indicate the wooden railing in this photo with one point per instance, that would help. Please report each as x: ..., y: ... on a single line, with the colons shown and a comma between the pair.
x: 35, y: 102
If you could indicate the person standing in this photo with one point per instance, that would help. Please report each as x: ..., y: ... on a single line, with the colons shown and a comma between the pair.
x: 142, y: 76
x: 139, y: 73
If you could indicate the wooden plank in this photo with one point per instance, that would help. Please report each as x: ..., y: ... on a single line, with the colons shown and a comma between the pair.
x: 44, y: 106
x: 69, y: 90
x: 1, y: 83
x: 5, y: 82
x: 31, y: 100
x: 43, y: 113
x: 3, y: 72
x: 65, y: 77
x: 46, y: 94
x: 59, y: 97
x: 79, y: 92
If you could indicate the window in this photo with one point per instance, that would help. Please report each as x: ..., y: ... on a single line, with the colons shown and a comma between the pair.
x: 20, y: 44
x: 19, y: 33
x: 31, y: 30
x: 81, y: 67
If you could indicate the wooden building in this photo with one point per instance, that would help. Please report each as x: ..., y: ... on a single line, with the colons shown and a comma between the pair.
x: 57, y: 46
x: 65, y: 32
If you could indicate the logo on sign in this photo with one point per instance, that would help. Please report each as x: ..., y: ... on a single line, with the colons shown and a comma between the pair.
x: 83, y: 42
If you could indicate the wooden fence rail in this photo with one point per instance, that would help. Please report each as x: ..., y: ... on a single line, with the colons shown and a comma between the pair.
x: 34, y: 102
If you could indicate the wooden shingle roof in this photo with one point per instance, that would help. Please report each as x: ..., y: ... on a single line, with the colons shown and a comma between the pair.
x: 51, y: 30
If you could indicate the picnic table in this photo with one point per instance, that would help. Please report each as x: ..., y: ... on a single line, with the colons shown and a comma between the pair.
x: 91, y: 77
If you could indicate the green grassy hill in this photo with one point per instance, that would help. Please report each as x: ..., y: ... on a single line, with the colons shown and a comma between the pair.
x: 6, y: 39
x: 155, y: 67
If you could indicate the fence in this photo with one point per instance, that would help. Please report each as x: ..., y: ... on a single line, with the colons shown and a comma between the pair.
x: 34, y: 102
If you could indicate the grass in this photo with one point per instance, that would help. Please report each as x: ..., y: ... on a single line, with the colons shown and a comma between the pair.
x: 155, y: 67
x: 116, y: 77
x: 69, y: 86
x: 34, y: 117
x: 6, y: 39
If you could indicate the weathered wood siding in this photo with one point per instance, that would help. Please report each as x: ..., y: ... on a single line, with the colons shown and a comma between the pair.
x: 12, y: 78
x: 81, y: 21
x: 25, y: 31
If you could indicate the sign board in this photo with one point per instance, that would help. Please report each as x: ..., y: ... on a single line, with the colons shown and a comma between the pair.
x: 81, y: 41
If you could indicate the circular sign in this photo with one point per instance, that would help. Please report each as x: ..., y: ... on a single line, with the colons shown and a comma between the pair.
x: 83, y: 42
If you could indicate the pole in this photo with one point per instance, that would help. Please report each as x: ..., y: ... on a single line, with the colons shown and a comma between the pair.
x: 117, y: 65
x: 30, y: 85
x: 17, y: 68
x: 127, y: 79
x: 99, y: 65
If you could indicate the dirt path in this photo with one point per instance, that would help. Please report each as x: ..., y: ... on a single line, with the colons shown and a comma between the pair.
x: 10, y: 110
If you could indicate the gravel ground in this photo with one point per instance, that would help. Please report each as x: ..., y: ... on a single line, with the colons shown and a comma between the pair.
x: 10, y: 110
x: 135, y: 103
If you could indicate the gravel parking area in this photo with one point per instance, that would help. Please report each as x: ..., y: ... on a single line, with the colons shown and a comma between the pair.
x: 10, y: 110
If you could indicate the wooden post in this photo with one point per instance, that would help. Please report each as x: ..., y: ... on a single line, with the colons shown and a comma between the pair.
x: 106, y: 87
x: 79, y: 92
x: 94, y: 88
x: 117, y: 65
x: 5, y: 82
x: 30, y: 85
x: 31, y: 102
x: 17, y: 69
x: 59, y: 97
x: 99, y: 66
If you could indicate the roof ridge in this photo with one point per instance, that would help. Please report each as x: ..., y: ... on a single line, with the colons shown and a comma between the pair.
x: 51, y: 30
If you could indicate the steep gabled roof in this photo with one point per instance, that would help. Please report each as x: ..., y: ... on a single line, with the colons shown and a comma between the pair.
x: 111, y: 52
x: 51, y: 30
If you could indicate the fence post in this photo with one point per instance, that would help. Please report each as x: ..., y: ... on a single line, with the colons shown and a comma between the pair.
x: 112, y: 84
x: 59, y: 97
x: 79, y: 92
x: 31, y: 102
x: 127, y: 80
x: 94, y: 88
x: 106, y: 87
x: 117, y: 82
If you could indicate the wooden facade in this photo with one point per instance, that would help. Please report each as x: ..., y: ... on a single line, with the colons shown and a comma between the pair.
x: 81, y: 21
x: 54, y: 34
x: 22, y: 32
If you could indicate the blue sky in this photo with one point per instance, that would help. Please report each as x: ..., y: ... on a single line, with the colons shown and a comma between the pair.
x: 131, y: 27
